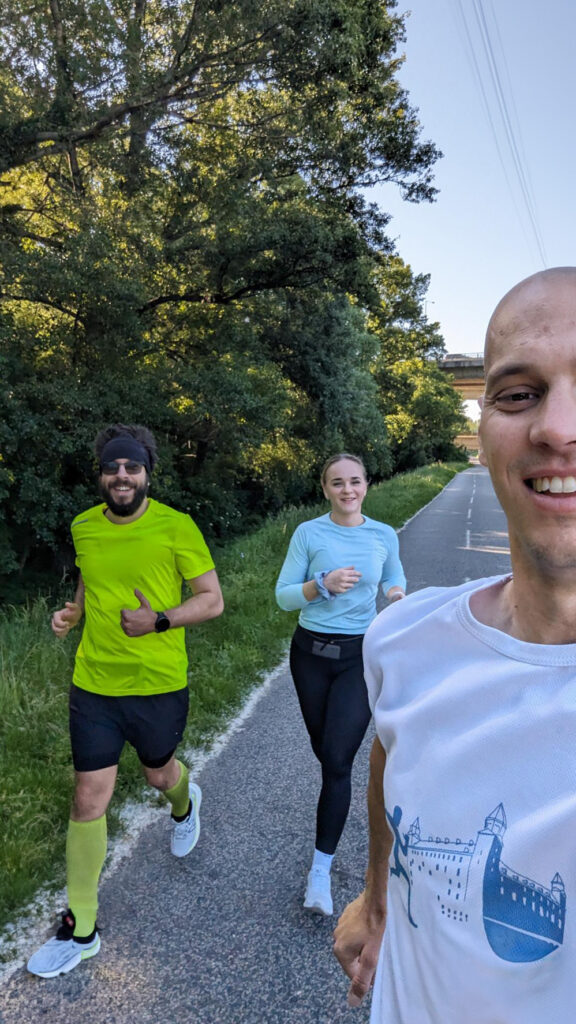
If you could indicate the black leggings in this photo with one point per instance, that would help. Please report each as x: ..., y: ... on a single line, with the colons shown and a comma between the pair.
x: 334, y: 703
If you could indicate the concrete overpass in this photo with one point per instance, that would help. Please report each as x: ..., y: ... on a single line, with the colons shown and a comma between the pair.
x: 468, y: 378
x: 467, y: 371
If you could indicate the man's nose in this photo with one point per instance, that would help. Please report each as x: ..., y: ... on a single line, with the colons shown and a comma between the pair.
x: 555, y: 422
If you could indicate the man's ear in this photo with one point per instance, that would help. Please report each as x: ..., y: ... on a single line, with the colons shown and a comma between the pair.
x: 481, y: 456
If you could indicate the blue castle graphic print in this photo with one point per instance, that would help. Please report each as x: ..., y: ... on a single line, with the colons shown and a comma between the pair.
x: 523, y: 920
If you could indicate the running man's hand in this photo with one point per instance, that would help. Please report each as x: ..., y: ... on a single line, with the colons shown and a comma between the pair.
x: 338, y: 581
x: 65, y: 618
x: 138, y: 621
x: 357, y: 940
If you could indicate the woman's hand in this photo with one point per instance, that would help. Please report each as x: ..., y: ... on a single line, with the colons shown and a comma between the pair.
x: 338, y: 581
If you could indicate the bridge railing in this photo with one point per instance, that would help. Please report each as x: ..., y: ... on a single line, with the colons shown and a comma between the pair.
x: 463, y: 357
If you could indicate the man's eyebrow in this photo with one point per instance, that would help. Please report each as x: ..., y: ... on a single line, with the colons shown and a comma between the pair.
x: 508, y: 370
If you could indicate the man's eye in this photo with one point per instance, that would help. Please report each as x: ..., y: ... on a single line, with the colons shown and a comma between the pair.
x: 516, y: 398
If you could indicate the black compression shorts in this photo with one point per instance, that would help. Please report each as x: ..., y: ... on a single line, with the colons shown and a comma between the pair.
x: 100, y: 726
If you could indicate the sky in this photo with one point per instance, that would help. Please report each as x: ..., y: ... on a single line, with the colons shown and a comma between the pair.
x: 495, y: 88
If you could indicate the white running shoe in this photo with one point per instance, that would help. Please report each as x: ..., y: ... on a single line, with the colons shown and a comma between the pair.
x: 318, y: 896
x: 185, y: 834
x: 62, y: 953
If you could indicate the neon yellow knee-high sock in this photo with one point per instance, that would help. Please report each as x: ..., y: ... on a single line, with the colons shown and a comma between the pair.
x: 178, y: 795
x: 85, y: 855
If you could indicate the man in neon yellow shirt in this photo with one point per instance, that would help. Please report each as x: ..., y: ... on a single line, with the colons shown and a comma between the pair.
x: 130, y: 676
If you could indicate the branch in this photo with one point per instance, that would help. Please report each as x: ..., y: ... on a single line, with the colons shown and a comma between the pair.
x: 174, y: 86
x: 65, y: 82
x: 74, y: 166
x: 184, y: 41
x: 16, y: 232
x: 138, y: 122
x: 280, y: 280
x: 5, y: 297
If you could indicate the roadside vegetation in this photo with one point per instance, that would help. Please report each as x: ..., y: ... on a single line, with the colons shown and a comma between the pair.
x: 228, y: 658
x: 186, y: 241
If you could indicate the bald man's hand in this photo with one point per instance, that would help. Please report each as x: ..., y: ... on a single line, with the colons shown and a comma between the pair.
x: 357, y: 940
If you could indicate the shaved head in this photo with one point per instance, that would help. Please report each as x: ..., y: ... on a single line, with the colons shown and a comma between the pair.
x: 529, y: 307
x: 527, y: 438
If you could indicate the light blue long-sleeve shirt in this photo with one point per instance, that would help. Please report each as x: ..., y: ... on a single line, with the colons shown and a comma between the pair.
x: 322, y: 545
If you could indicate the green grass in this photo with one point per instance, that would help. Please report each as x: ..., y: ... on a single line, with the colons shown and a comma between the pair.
x: 228, y: 658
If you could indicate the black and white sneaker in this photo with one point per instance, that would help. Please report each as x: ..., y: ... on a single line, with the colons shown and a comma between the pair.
x: 63, y: 952
x: 186, y: 833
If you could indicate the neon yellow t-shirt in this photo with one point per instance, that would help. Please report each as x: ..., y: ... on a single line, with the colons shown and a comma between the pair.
x: 155, y: 553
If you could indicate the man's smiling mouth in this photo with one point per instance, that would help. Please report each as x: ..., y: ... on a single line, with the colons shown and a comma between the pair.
x: 553, y: 484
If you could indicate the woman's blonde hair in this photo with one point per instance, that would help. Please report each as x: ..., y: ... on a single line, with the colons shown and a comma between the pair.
x: 338, y: 458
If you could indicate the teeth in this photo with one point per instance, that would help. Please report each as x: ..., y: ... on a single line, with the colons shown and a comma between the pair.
x: 555, y: 484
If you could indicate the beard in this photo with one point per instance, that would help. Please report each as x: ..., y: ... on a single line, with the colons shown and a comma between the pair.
x: 127, y: 508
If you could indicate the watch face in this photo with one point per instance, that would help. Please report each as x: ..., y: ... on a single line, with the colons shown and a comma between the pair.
x: 162, y: 623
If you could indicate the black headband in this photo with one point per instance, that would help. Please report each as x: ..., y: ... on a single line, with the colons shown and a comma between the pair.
x: 125, y: 447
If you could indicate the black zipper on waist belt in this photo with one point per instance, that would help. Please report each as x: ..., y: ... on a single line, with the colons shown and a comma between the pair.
x: 333, y: 638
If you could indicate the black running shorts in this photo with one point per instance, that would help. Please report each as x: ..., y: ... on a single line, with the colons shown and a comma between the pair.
x: 100, y: 726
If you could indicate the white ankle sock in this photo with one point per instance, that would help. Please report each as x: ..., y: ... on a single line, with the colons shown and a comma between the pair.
x: 322, y: 861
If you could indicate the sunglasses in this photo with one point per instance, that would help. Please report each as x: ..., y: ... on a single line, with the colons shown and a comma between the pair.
x: 112, y: 468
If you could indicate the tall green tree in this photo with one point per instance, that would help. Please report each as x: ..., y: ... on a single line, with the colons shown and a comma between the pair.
x: 184, y: 241
x: 422, y: 411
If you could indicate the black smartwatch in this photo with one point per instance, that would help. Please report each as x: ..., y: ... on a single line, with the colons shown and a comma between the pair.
x: 162, y: 622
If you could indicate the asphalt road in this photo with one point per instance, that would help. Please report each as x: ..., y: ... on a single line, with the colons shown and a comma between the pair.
x: 220, y: 937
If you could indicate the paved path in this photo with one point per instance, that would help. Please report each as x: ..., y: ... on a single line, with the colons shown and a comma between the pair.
x: 220, y: 937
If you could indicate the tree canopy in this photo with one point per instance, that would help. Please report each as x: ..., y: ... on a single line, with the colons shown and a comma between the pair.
x: 185, y: 241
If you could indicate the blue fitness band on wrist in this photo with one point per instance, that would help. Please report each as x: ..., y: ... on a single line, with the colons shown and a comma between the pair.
x: 323, y: 589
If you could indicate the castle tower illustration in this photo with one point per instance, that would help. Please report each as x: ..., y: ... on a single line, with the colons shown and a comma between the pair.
x: 414, y: 833
x: 523, y: 920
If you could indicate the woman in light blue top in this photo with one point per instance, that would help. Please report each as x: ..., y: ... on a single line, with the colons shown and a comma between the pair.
x: 332, y: 572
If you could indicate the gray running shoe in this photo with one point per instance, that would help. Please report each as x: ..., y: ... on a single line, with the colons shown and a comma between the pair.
x: 186, y: 833
x: 318, y: 896
x: 62, y: 953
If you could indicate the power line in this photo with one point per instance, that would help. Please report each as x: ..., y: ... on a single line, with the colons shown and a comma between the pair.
x: 509, y: 129
x: 471, y: 53
x: 510, y: 134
